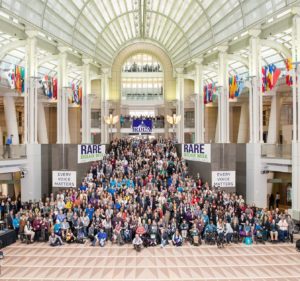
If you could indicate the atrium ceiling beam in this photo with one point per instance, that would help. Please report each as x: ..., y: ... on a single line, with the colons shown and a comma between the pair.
x: 9, y: 27
x: 11, y: 46
x: 277, y: 46
x: 238, y: 58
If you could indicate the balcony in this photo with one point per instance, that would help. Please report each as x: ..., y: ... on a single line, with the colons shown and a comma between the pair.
x: 12, y: 152
x: 276, y: 151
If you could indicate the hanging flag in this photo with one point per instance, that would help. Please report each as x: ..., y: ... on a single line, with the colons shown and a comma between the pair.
x: 22, y: 79
x: 236, y: 85
x: 270, y: 76
x: 289, y: 68
x: 76, y: 96
x: 80, y: 94
x: 18, y: 84
x: 209, y: 93
x: 54, y: 87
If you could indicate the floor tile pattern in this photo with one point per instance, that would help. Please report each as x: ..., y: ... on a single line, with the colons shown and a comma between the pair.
x: 39, y: 262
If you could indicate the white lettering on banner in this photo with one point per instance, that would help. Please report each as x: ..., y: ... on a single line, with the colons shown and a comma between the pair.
x: 64, y: 179
x: 196, y: 152
x: 223, y: 178
x: 90, y: 152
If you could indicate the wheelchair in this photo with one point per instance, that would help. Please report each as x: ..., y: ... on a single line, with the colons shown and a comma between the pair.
x: 259, y: 237
x: 235, y: 237
x: 220, y: 240
x: 210, y: 238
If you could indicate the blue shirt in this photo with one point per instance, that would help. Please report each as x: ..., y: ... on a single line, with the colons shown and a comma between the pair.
x: 9, y: 140
x: 90, y: 212
x: 101, y: 235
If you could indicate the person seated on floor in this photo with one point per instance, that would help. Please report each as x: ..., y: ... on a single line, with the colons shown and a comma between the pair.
x: 29, y: 231
x: 164, y: 237
x: 55, y: 240
x: 137, y: 242
x: 177, y: 239
x: 283, y: 229
x: 101, y: 237
x: 70, y: 238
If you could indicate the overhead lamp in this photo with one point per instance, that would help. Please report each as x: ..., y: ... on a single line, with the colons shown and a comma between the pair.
x: 173, y: 120
x: 111, y: 120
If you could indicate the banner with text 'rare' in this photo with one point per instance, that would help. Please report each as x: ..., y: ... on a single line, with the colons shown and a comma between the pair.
x: 64, y: 179
x: 90, y: 152
x: 196, y: 152
x: 223, y: 178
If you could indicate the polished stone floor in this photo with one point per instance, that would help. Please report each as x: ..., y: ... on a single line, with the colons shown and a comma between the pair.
x: 81, y: 262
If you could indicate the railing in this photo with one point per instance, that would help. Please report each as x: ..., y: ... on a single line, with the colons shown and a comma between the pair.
x: 8, y: 152
x: 95, y: 123
x: 189, y: 123
x: 283, y: 151
x: 157, y: 124
x: 149, y: 96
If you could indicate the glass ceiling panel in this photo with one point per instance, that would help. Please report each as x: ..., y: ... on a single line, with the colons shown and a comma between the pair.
x: 100, y: 27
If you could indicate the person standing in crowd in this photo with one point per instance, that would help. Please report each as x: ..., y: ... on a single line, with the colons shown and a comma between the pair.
x: 7, y: 148
x: 271, y: 201
x: 277, y: 199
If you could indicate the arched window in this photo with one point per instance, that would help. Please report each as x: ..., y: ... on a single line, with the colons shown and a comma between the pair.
x: 142, y: 78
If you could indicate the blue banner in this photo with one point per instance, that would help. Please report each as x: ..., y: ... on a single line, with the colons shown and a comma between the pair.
x: 142, y: 126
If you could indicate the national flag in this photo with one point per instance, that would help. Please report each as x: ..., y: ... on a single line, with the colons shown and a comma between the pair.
x: 54, y: 86
x: 80, y: 94
x: 289, y: 68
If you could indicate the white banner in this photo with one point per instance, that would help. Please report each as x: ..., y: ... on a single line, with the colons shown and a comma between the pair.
x: 223, y: 178
x: 64, y: 179
x: 90, y: 152
x: 196, y: 152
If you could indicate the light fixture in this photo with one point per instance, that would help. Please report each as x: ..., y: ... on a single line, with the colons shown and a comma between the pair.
x: 173, y: 120
x: 111, y: 120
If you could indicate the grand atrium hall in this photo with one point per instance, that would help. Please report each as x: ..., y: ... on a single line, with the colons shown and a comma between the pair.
x: 150, y: 140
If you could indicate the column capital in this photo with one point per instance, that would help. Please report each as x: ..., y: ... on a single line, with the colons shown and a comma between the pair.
x: 179, y: 70
x: 198, y: 60
x: 87, y: 60
x: 63, y: 49
x: 105, y: 70
x: 254, y: 32
x: 222, y: 48
x: 296, y: 11
x: 31, y: 33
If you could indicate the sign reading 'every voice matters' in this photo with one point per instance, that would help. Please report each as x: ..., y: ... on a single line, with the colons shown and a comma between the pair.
x: 90, y: 152
x: 196, y: 152
x: 223, y: 178
x: 65, y: 179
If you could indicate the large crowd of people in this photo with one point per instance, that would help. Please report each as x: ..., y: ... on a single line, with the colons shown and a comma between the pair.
x: 141, y: 193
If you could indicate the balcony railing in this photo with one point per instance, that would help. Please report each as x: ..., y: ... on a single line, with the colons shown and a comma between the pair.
x: 283, y: 151
x: 189, y: 123
x: 8, y: 152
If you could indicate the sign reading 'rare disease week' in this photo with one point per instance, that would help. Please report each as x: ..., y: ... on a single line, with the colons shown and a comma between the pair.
x: 196, y: 152
x: 90, y: 152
